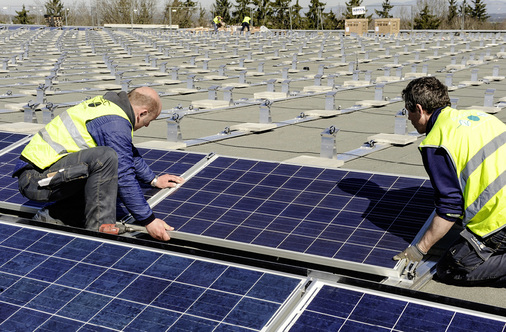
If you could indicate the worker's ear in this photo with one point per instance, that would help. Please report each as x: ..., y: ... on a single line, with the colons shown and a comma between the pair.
x: 419, y: 109
x: 143, y: 113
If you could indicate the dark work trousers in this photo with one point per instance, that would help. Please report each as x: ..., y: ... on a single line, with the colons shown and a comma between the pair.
x: 465, y: 265
x: 84, y: 188
x: 244, y: 26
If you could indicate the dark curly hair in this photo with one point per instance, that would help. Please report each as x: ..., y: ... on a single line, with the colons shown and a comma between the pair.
x: 427, y: 91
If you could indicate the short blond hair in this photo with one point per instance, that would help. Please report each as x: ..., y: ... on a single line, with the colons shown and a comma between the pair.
x: 140, y: 99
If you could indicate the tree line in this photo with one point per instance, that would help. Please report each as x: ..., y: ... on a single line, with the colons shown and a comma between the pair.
x: 273, y: 14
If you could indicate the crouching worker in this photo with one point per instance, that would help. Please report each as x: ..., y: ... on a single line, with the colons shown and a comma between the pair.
x: 84, y: 159
x: 464, y: 154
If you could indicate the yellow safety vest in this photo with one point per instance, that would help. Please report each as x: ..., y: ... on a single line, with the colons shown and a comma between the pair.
x: 216, y: 20
x: 476, y: 143
x: 67, y: 132
x: 246, y: 19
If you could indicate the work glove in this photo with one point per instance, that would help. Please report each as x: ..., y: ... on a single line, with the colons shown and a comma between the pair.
x: 413, y: 256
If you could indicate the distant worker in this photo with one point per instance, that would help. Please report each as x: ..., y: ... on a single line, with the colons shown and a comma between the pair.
x: 217, y: 23
x: 84, y: 159
x: 464, y: 154
x: 245, y: 23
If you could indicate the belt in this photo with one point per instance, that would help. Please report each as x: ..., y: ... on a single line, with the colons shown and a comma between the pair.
x: 495, y: 240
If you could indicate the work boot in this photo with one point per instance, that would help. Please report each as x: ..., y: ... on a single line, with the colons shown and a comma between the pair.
x: 43, y: 216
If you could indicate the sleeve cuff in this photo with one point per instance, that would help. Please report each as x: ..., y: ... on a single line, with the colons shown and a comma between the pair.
x: 147, y: 221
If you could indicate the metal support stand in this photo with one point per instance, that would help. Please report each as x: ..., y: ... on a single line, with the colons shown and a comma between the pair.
x: 474, y: 75
x: 318, y: 80
x: 378, y: 92
x: 174, y: 73
x: 29, y: 112
x: 270, y: 85
x: 489, y: 98
x: 48, y: 113
x: 227, y: 95
x: 212, y: 92
x: 125, y: 85
x: 330, y: 100
x: 265, y: 112
x: 285, y: 87
x: 401, y: 123
x: 190, y: 81
x: 119, y: 77
x: 328, y: 144
x: 174, y: 129
x: 449, y: 80
x: 242, y: 77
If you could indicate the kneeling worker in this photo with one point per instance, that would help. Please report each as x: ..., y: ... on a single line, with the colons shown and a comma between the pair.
x: 464, y: 154
x: 84, y: 159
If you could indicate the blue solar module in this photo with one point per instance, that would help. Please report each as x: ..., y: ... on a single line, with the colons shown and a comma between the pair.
x: 344, y: 215
x: 8, y: 185
x: 161, y: 162
x: 341, y: 309
x: 173, y: 162
x: 56, y: 282
x: 7, y: 139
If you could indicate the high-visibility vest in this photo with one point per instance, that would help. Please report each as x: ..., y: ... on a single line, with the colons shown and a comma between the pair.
x: 246, y: 19
x: 67, y: 132
x: 216, y: 20
x: 476, y: 143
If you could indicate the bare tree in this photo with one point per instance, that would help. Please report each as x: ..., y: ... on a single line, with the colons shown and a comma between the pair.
x: 117, y: 11
x: 84, y: 17
x: 144, y: 12
x: 181, y: 13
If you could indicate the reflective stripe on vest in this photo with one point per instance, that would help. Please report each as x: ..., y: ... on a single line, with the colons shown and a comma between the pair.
x: 476, y: 143
x: 67, y: 132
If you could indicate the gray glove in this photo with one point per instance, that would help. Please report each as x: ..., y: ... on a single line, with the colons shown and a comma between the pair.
x: 411, y: 254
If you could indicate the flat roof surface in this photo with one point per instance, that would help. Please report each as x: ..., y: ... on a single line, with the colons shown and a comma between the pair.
x: 85, y: 63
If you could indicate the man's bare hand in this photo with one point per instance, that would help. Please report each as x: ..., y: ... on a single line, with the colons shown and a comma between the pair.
x: 168, y: 181
x: 158, y: 230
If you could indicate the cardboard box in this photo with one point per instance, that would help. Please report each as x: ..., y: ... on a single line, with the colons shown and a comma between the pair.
x: 384, y: 26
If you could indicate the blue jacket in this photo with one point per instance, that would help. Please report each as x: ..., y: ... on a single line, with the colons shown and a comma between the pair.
x: 116, y: 132
x: 443, y: 177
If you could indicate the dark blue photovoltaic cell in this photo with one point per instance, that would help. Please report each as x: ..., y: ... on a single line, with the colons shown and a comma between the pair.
x: 335, y: 308
x: 61, y: 283
x: 353, y: 216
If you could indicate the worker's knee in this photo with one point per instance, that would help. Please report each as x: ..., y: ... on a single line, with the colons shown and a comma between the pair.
x: 105, y: 157
x: 458, y: 263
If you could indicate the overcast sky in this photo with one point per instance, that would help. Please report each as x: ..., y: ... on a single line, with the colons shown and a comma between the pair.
x: 10, y: 6
x: 17, y: 5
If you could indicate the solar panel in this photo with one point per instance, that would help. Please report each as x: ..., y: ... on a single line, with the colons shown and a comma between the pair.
x: 161, y: 162
x: 326, y: 215
x: 56, y: 282
x: 11, y: 145
x: 349, y: 219
x: 7, y: 139
x: 173, y: 162
x: 344, y: 308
